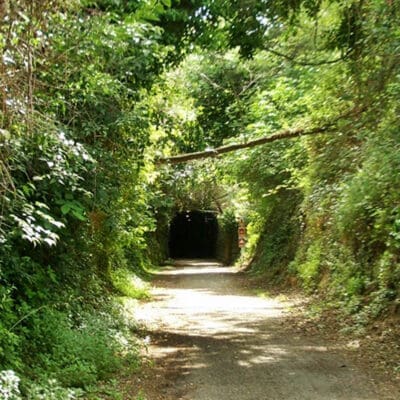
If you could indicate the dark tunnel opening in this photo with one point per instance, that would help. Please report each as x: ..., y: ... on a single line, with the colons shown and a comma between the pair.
x: 193, y: 234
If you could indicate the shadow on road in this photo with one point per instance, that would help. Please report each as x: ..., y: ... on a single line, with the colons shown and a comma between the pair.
x: 215, y: 340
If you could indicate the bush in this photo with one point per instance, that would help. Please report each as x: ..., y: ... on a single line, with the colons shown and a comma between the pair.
x: 129, y: 284
x: 309, y: 270
x: 76, y: 351
x: 51, y: 390
x: 9, y: 385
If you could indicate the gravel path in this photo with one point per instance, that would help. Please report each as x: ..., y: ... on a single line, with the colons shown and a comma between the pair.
x: 212, y: 339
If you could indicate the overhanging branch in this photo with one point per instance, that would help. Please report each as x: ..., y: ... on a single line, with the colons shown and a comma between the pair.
x: 305, y: 63
x: 286, y: 134
x: 292, y: 133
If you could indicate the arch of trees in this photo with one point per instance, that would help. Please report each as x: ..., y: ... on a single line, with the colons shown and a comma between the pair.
x: 101, y: 101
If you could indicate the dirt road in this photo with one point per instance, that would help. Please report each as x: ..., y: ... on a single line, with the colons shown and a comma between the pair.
x: 212, y: 339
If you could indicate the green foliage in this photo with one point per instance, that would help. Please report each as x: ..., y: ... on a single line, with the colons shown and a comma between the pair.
x: 9, y: 340
x: 219, y: 87
x: 309, y: 270
x: 129, y: 285
x: 9, y: 385
x: 323, y: 210
x: 74, y: 204
x: 55, y: 165
x: 92, y: 93
x: 227, y: 250
x: 227, y: 221
x: 53, y: 391
x: 80, y: 355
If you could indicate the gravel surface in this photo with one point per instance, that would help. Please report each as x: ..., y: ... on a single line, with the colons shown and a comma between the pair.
x: 213, y: 339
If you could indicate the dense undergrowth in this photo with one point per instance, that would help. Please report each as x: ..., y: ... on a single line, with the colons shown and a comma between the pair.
x: 94, y: 92
x: 74, y: 204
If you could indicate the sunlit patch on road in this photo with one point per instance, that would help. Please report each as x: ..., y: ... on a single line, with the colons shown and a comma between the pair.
x: 224, y: 342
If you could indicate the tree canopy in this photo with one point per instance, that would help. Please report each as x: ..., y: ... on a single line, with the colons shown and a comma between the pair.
x: 97, y: 97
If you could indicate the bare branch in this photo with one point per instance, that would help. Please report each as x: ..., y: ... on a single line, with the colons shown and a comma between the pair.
x: 308, y: 63
x: 286, y: 134
x: 291, y: 133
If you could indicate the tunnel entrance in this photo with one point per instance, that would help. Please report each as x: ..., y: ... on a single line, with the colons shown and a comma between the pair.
x: 193, y: 234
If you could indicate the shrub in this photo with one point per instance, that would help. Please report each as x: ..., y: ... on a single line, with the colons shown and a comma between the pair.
x: 51, y: 390
x: 9, y: 385
x: 76, y: 350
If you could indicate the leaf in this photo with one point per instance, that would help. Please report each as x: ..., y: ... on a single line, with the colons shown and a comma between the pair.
x: 65, y: 208
x: 58, y: 224
x: 50, y: 242
x: 42, y: 205
x: 167, y: 3
x: 77, y: 214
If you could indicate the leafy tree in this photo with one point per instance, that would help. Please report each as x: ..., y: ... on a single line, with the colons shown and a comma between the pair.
x: 94, y: 92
